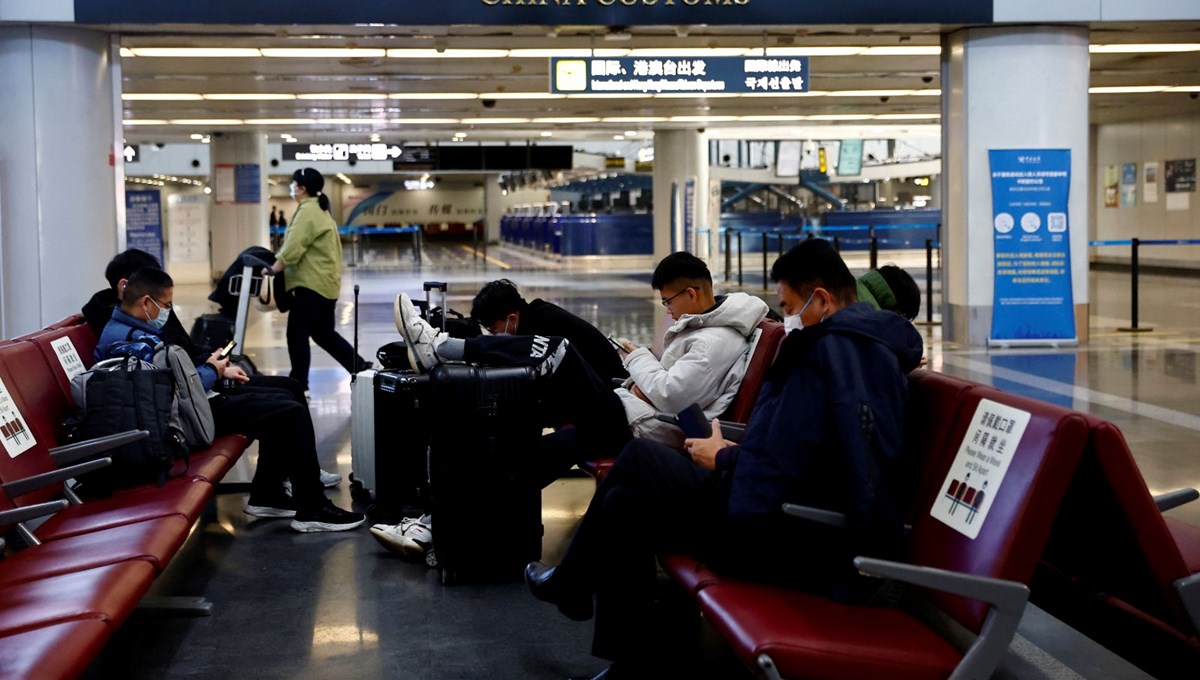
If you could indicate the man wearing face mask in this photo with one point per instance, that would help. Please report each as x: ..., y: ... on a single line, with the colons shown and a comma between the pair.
x: 283, y: 426
x: 826, y: 432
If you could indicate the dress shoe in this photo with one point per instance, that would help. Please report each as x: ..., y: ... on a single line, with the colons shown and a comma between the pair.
x: 542, y: 584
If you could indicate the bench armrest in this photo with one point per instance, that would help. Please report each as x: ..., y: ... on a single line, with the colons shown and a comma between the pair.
x: 1007, y: 600
x: 818, y: 515
x: 63, y: 455
x: 18, y: 515
x: 1173, y: 499
x: 20, y: 487
x: 732, y: 431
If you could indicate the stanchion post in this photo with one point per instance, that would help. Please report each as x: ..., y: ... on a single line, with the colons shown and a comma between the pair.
x: 1134, y: 272
x: 929, y: 281
x: 779, y: 242
x: 739, y: 241
x: 474, y: 243
x: 837, y: 244
x: 728, y: 255
x: 764, y: 254
x: 874, y: 250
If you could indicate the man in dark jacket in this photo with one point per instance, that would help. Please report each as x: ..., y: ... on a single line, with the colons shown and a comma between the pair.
x: 826, y: 432
x: 500, y: 308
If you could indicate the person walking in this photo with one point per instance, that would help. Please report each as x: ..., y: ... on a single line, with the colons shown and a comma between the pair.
x: 311, y: 258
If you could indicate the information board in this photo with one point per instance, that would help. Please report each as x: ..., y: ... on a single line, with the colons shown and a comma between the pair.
x: 701, y: 75
x: 143, y: 222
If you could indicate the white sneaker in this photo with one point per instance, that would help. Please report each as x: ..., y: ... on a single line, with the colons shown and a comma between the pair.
x: 330, y: 479
x: 420, y: 339
x: 410, y: 538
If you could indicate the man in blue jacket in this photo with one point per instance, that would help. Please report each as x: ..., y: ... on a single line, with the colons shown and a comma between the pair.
x: 283, y: 426
x: 826, y: 432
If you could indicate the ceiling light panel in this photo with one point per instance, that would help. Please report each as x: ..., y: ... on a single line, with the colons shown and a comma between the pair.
x: 206, y: 121
x: 160, y: 97
x: 605, y: 52
x: 347, y: 96
x: 197, y: 52
x: 424, y: 121
x: 433, y: 95
x: 566, y: 120
x: 248, y: 97
x: 690, y: 52
x: 494, y: 121
x: 1147, y: 48
x: 1131, y: 89
x: 405, y: 53
x: 280, y: 121
x: 323, y: 52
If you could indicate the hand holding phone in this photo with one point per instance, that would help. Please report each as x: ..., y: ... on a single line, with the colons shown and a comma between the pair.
x: 225, y: 351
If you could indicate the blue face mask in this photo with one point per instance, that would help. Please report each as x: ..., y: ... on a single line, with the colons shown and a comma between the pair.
x: 159, y: 321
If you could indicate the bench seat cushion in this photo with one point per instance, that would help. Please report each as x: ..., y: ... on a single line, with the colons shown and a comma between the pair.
x: 107, y: 593
x: 185, y: 498
x: 62, y: 650
x: 688, y: 572
x: 812, y: 637
x: 155, y: 541
x: 1187, y: 539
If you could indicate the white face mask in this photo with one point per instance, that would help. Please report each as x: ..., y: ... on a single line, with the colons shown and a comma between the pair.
x: 292, y: 191
x: 793, y: 322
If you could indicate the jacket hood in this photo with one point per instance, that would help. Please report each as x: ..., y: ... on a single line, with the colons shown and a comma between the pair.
x: 738, y: 311
x: 886, y: 328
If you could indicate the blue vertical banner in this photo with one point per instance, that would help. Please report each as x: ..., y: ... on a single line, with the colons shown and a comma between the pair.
x: 1033, y: 304
x: 689, y: 216
x: 143, y: 222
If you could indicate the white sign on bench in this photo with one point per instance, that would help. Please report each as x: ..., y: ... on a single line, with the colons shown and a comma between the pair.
x: 979, y: 467
x: 64, y: 349
x: 13, y: 432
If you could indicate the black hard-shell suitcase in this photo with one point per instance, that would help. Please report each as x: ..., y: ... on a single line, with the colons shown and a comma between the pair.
x: 402, y: 407
x: 212, y: 331
x: 483, y: 424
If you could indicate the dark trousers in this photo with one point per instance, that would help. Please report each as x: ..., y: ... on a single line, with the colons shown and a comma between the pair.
x: 575, y: 399
x: 269, y: 383
x: 655, y: 499
x: 311, y: 316
x: 287, y: 445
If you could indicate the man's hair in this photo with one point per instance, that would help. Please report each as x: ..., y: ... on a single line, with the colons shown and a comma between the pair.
x: 815, y: 263
x: 681, y: 266
x: 908, y: 295
x: 495, y: 301
x: 147, y: 281
x: 126, y: 263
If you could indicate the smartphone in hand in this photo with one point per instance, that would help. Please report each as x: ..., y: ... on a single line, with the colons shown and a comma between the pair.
x: 616, y: 345
x: 694, y: 423
x: 226, y: 350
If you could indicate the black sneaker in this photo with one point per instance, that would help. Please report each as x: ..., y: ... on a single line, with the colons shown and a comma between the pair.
x: 328, y: 517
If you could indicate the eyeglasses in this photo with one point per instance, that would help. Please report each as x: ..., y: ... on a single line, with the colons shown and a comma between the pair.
x: 163, y: 305
x: 667, y: 301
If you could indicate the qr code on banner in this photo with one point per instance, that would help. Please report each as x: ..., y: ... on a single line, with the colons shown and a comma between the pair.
x: 1056, y: 222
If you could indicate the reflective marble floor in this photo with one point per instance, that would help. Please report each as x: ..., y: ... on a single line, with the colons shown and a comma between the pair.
x: 336, y: 605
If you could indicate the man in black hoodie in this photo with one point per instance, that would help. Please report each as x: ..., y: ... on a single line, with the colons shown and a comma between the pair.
x: 826, y: 432
x: 500, y: 308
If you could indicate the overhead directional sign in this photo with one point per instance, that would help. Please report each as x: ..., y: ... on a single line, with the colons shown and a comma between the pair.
x: 341, y: 152
x: 699, y: 76
x: 133, y: 153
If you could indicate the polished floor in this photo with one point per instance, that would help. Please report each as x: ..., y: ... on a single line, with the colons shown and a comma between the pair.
x: 337, y: 606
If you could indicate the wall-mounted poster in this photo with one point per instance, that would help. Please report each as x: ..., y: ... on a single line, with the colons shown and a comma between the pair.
x: 1111, y: 186
x: 1150, y: 182
x: 1180, y: 176
x: 1129, y: 185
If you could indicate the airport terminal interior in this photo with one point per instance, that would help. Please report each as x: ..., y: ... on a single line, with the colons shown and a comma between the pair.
x: 479, y: 140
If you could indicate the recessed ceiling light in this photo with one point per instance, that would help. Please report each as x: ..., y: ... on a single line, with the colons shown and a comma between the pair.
x: 324, y: 52
x: 160, y: 97
x: 547, y: 133
x: 197, y: 136
x: 196, y: 52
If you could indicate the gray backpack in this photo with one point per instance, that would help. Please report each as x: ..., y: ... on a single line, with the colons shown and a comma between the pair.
x: 195, y: 414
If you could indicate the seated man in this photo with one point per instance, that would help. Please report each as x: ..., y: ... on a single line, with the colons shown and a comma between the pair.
x: 98, y: 311
x: 826, y: 432
x: 702, y: 363
x: 500, y: 309
x: 891, y: 289
x: 283, y: 426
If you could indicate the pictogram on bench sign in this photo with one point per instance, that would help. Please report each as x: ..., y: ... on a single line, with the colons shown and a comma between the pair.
x: 14, y: 434
x: 979, y: 467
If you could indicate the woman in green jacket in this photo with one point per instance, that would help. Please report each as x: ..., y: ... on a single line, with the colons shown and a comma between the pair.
x: 311, y: 257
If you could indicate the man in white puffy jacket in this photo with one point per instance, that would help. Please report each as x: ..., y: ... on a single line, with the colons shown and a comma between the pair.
x: 704, y: 352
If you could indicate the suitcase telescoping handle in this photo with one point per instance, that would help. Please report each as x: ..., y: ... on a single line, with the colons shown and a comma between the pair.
x: 354, y: 374
x: 431, y: 286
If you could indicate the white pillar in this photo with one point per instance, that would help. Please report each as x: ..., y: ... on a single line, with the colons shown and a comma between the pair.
x: 1006, y: 88
x: 680, y: 156
x: 494, y: 204
x: 239, y: 218
x: 58, y: 169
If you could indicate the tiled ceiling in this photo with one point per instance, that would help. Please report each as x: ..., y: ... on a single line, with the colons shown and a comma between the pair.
x: 395, y: 96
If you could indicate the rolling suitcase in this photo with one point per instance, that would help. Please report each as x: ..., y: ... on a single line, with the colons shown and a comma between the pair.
x: 483, y: 424
x: 388, y: 453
